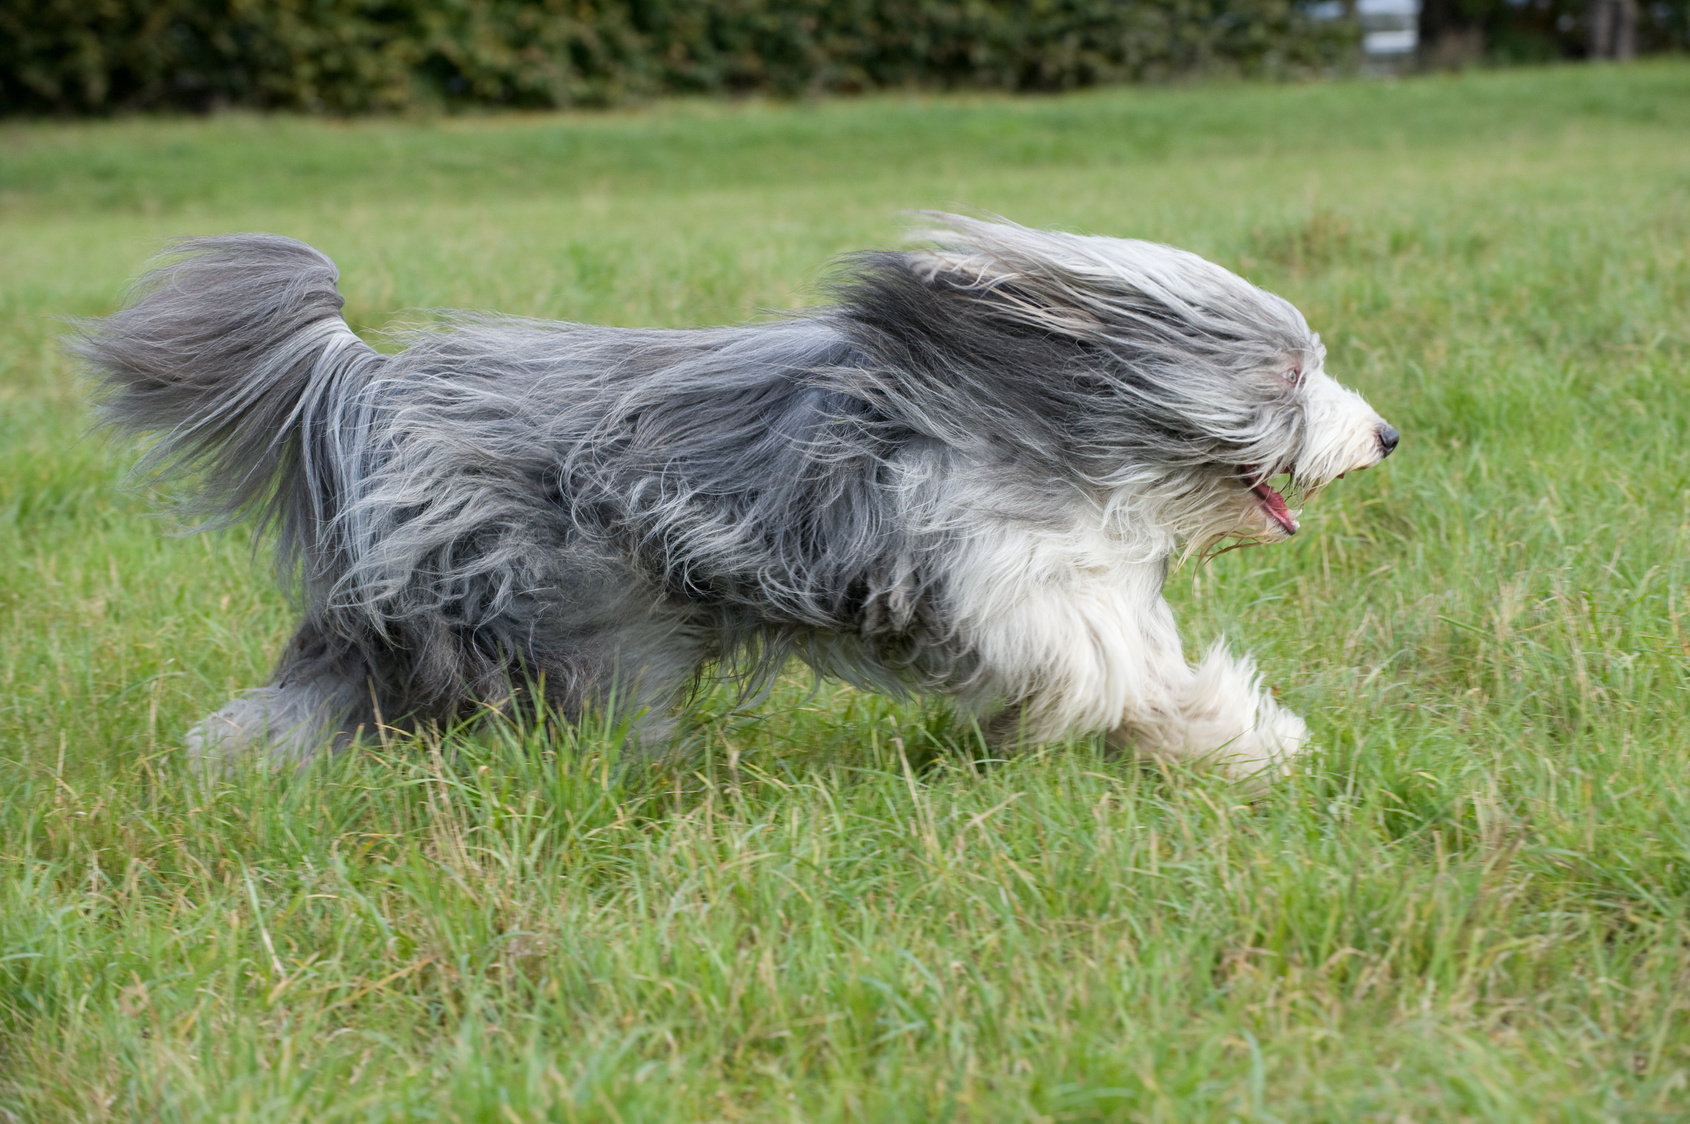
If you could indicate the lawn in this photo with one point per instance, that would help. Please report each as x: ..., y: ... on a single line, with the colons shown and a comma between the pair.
x: 1471, y: 903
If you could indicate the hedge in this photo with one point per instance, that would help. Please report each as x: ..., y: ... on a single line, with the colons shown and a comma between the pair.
x: 1537, y: 31
x: 358, y: 56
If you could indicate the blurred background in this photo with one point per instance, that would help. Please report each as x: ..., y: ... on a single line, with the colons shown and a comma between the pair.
x: 356, y: 56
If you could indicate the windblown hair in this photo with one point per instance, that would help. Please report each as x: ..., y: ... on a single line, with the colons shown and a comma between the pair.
x: 966, y: 474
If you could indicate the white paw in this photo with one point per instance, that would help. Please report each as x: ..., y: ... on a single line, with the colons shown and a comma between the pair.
x: 1265, y: 751
x: 1222, y: 718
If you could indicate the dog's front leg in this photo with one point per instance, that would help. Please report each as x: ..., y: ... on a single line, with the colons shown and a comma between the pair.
x: 1077, y: 641
x: 1216, y: 712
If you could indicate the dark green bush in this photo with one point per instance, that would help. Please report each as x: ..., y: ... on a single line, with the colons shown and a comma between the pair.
x: 354, y: 56
x: 1537, y: 31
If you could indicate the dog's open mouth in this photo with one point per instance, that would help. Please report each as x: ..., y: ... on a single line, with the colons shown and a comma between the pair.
x: 1273, y: 503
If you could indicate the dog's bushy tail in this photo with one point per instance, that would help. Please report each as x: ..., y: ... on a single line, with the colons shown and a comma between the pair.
x: 234, y: 352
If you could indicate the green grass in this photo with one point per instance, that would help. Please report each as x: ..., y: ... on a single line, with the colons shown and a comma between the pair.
x: 1470, y: 905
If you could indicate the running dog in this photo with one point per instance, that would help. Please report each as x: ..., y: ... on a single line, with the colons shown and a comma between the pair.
x: 968, y: 474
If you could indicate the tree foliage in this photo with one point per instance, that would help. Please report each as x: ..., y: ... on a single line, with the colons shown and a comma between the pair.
x: 1537, y: 31
x: 355, y: 56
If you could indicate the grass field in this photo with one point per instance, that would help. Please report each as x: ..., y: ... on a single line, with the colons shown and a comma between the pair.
x: 1472, y: 904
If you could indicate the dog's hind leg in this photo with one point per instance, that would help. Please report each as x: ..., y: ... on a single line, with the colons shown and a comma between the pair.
x: 630, y: 676
x: 320, y: 696
x: 277, y: 726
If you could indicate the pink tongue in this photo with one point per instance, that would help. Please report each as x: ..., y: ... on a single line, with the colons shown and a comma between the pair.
x: 1275, y: 504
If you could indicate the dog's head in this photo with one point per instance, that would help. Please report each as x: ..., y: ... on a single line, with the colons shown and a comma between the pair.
x: 1173, y: 386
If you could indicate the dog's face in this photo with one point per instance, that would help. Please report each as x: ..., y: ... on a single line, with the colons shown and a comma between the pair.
x: 1201, y: 392
x: 1339, y: 433
x: 1192, y: 406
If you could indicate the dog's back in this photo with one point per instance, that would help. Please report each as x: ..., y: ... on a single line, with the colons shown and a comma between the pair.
x: 506, y: 500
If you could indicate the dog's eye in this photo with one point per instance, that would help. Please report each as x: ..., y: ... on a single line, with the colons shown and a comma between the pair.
x: 1293, y: 375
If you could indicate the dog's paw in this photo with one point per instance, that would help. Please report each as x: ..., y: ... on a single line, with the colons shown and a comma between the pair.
x: 270, y: 727
x: 216, y: 742
x: 1264, y: 752
x: 1223, y: 719
x: 228, y: 737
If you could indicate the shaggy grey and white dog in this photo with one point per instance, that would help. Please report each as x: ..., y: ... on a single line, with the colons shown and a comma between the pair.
x: 968, y: 474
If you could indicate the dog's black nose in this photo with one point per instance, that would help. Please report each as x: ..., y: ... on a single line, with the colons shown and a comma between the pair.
x: 1388, y: 439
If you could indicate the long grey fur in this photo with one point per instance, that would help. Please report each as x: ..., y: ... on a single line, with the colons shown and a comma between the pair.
x: 610, y: 513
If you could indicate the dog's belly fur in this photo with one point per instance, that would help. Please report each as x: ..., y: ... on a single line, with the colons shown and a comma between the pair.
x: 964, y: 478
